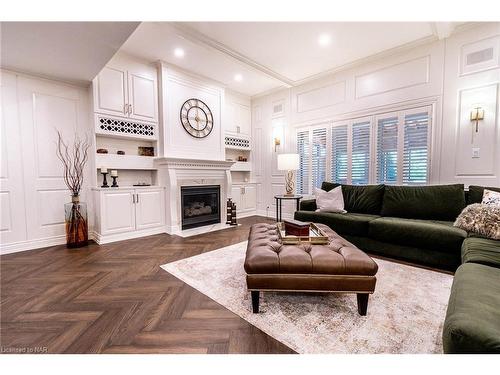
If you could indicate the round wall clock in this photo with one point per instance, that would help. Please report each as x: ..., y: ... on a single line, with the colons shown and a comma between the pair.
x: 196, y: 118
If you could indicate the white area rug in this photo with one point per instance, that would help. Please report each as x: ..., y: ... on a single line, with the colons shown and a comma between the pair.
x: 405, y: 314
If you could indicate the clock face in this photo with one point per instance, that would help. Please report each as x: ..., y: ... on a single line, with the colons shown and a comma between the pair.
x: 196, y: 118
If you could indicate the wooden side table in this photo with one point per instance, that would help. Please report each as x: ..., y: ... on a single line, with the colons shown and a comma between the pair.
x: 279, y: 200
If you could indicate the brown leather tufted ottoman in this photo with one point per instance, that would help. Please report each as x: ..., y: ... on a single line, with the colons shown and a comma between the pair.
x: 338, y: 266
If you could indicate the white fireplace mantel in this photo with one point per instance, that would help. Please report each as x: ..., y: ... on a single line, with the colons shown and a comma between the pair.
x: 177, y: 172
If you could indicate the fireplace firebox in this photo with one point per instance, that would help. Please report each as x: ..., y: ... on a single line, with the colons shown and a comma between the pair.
x: 200, y: 205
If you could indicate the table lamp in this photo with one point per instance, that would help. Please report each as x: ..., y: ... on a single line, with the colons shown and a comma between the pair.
x: 289, y: 163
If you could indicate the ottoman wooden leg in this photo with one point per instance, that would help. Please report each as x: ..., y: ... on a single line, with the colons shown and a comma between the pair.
x: 362, y: 303
x: 255, y: 300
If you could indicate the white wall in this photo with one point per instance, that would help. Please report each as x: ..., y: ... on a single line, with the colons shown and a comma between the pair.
x: 175, y: 88
x: 32, y: 189
x: 429, y: 75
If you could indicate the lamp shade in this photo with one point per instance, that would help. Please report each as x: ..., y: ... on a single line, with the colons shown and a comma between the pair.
x: 288, y: 162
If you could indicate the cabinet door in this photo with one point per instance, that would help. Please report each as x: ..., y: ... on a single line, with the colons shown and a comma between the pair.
x: 243, y: 119
x: 250, y: 200
x: 143, y: 97
x: 118, y: 211
x: 150, y: 208
x: 110, y: 92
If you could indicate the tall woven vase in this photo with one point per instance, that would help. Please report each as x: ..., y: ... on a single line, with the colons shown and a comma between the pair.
x: 76, y: 223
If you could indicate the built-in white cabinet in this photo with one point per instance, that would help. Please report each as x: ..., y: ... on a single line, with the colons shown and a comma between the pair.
x: 238, y: 118
x: 127, y: 89
x: 128, y: 212
x: 245, y: 197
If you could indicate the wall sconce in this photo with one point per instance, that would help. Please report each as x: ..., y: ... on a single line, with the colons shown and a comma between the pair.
x: 476, y: 115
x: 277, y: 136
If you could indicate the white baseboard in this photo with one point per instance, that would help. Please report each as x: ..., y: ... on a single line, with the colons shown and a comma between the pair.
x: 104, y: 239
x: 32, y: 244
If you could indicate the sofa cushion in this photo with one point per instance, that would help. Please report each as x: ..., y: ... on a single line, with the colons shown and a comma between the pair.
x: 349, y: 223
x: 473, y: 315
x: 481, y: 251
x: 429, y: 234
x: 476, y: 193
x: 308, y: 205
x: 438, y: 202
x: 363, y: 199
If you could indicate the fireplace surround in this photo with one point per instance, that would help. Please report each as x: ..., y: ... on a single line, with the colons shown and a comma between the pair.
x: 176, y: 173
x: 200, y: 205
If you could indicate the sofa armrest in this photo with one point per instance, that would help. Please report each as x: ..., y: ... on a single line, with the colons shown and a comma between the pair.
x: 308, y: 205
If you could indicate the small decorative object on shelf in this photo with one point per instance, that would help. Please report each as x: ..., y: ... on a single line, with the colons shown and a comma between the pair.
x: 233, y: 214
x: 102, y: 151
x: 104, y: 172
x: 141, y: 184
x: 120, y: 152
x: 242, y: 158
x: 146, y: 151
x: 75, y: 213
x: 229, y: 210
x: 114, y: 176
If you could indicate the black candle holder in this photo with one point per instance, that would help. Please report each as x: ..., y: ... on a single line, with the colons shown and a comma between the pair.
x: 114, y: 181
x: 104, y: 181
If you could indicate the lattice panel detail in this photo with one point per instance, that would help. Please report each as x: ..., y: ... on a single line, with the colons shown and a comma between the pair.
x: 124, y: 127
x: 237, y: 142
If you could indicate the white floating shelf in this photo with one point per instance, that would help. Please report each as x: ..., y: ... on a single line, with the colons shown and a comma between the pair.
x: 114, y: 161
x: 242, y: 166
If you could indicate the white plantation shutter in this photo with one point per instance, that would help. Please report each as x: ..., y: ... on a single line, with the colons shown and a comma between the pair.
x: 387, y: 150
x: 415, y: 150
x: 318, y: 157
x: 339, y: 154
x: 360, y: 154
x: 303, y: 174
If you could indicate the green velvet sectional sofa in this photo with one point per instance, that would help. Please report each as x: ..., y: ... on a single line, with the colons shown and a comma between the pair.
x: 415, y: 223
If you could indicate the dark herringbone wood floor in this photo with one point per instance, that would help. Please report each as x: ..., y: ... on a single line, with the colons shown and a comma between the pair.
x: 116, y: 299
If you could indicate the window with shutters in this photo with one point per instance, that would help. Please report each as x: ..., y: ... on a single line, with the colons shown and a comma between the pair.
x: 388, y: 148
x: 360, y: 159
x: 339, y: 154
x: 302, y: 186
x: 318, y: 157
x: 312, y: 149
x: 403, y: 147
x: 416, y: 148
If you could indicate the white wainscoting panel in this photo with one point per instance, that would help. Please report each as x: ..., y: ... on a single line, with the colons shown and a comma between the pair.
x: 321, y: 97
x: 6, y: 211
x: 485, y: 139
x: 12, y: 206
x: 51, y: 207
x: 403, y: 75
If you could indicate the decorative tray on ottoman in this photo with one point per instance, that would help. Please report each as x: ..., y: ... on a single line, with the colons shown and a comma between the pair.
x: 315, y: 237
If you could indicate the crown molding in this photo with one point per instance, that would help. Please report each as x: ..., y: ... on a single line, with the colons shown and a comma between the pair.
x: 201, y: 39
x: 194, y: 36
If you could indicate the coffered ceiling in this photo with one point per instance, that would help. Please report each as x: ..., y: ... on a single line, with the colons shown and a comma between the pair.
x: 255, y: 57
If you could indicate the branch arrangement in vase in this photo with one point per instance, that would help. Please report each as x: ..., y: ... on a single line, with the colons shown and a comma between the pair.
x: 74, y: 158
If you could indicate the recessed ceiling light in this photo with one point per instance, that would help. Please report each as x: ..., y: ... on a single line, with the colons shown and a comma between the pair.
x: 179, y: 52
x: 238, y: 77
x: 324, y: 40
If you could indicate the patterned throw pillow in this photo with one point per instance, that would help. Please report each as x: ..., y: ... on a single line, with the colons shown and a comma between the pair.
x: 483, y: 219
x: 491, y: 197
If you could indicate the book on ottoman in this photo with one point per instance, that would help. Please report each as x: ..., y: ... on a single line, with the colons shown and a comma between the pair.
x: 296, y: 228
